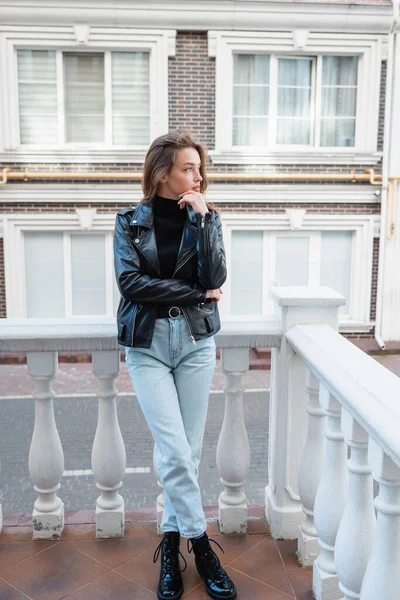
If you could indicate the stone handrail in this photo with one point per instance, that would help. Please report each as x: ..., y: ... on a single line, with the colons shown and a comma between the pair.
x: 369, y: 391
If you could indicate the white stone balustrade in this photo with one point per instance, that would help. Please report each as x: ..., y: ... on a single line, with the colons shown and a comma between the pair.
x: 46, y: 457
x: 356, y: 533
x: 233, y: 459
x: 310, y: 473
x: 314, y: 369
x: 288, y: 405
x: 330, y: 501
x: 382, y: 577
x: 108, y: 452
x: 368, y: 394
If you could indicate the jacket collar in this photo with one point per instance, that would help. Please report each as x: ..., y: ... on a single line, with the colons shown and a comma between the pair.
x: 144, y: 215
x: 147, y: 243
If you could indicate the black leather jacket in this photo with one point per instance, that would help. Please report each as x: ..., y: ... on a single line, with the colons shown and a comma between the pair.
x: 200, y: 266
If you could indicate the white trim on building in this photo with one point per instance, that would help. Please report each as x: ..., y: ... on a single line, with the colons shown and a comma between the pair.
x: 224, y: 44
x: 159, y: 43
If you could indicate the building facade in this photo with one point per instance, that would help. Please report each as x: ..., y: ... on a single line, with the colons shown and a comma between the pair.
x: 295, y: 101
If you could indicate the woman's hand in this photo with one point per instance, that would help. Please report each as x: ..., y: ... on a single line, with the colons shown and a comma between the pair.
x: 215, y: 295
x: 196, y: 201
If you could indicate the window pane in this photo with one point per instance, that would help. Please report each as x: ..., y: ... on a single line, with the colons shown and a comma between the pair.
x: 44, y: 274
x: 249, y: 132
x: 130, y: 98
x: 251, y: 68
x: 88, y: 274
x: 338, y: 132
x: 339, y: 70
x: 339, y: 99
x: 246, y: 272
x: 250, y: 99
x: 294, y: 100
x: 291, y: 262
x: 37, y: 90
x: 293, y: 131
x: 84, y: 97
x: 336, y: 247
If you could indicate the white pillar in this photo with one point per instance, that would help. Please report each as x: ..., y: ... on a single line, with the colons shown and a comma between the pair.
x: 46, y: 458
x: 390, y: 313
x: 356, y: 533
x: 382, y: 577
x: 330, y: 501
x: 288, y: 404
x: 310, y: 473
x: 233, y: 450
x: 108, y: 453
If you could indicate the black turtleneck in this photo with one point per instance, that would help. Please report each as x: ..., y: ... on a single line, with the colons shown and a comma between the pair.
x: 169, y: 220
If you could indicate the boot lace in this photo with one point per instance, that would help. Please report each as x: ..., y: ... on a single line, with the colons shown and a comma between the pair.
x: 213, y: 559
x: 169, y: 565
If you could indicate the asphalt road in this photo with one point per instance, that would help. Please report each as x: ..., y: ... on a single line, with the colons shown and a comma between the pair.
x: 76, y: 419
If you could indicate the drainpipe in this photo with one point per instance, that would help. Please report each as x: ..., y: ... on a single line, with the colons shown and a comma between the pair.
x: 385, y: 171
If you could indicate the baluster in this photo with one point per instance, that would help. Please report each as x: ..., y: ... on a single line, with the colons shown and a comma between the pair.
x: 310, y: 473
x: 108, y: 453
x: 330, y: 501
x: 357, y: 528
x: 160, y: 497
x: 46, y: 458
x: 233, y: 450
x: 382, y: 577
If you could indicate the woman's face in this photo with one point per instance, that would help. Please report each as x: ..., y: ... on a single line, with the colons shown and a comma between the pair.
x: 183, y: 176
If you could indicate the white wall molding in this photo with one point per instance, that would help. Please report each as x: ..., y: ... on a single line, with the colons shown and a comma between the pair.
x: 315, y: 156
x: 204, y: 14
x: 242, y: 193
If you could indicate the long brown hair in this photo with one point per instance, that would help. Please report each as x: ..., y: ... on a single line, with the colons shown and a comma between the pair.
x: 161, y: 157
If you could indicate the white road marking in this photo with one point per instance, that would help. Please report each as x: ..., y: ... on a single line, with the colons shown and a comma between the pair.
x: 84, y: 472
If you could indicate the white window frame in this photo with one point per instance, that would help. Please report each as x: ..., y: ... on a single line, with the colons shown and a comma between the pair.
x: 364, y: 229
x: 14, y: 228
x: 298, y: 44
x: 82, y: 38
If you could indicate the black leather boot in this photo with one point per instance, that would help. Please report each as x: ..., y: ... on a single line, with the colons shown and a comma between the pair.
x: 217, y: 581
x: 170, y: 585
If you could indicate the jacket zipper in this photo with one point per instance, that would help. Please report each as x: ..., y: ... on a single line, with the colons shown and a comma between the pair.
x: 134, y: 321
x: 191, y: 335
x: 184, y: 262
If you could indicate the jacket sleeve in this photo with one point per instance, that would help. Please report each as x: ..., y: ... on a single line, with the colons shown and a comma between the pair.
x: 211, y: 252
x: 142, y: 288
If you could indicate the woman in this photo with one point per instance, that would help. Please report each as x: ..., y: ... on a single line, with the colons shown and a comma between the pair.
x: 170, y: 266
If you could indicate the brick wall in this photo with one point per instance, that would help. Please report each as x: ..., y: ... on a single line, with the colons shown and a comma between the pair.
x: 191, y: 81
x: 374, y: 284
x: 3, y: 312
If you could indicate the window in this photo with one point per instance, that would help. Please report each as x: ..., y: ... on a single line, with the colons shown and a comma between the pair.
x: 296, y: 97
x: 260, y: 259
x: 84, y: 98
x: 69, y: 274
x: 307, y: 101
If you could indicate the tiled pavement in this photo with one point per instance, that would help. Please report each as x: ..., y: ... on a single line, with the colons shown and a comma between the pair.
x: 79, y: 567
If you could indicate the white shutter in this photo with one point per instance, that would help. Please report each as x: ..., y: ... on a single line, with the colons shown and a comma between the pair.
x: 88, y: 274
x: 130, y: 98
x: 44, y: 274
x: 250, y: 99
x: 246, y: 272
x: 84, y: 97
x: 37, y: 91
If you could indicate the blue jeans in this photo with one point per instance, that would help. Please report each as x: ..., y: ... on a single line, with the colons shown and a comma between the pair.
x: 172, y: 381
